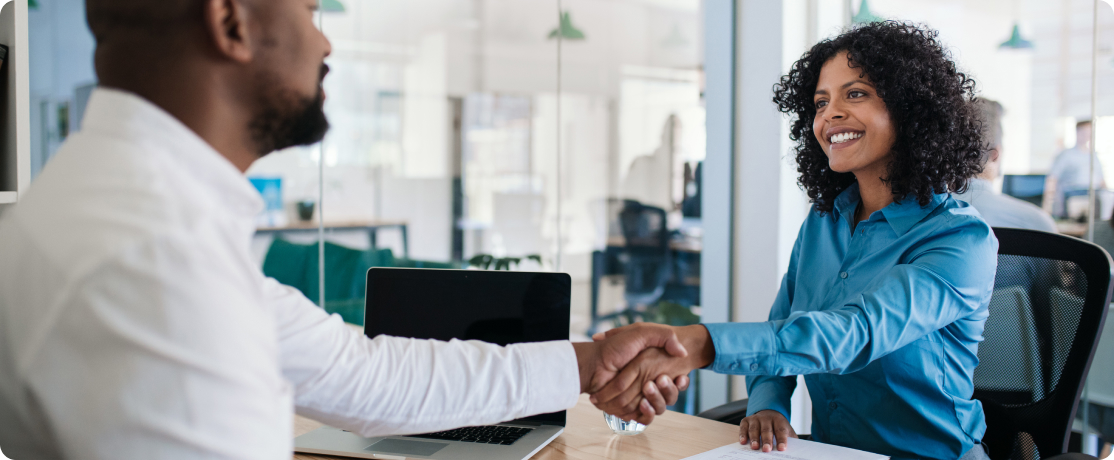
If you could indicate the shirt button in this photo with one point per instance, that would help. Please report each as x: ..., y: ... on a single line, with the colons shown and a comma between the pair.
x: 832, y: 406
x: 843, y: 275
x: 754, y: 366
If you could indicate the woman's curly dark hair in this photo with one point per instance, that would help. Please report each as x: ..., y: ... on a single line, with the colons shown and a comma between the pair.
x: 939, y: 143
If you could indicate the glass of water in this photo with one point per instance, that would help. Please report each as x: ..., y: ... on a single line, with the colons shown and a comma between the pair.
x: 617, y: 425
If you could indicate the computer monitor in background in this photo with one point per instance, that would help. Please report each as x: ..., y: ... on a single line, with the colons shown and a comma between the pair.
x: 1028, y: 187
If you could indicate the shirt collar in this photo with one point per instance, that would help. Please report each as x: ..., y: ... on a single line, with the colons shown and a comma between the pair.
x: 901, y: 215
x: 130, y: 117
x: 976, y: 184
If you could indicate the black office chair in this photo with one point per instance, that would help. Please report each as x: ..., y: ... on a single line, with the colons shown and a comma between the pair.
x: 647, y: 252
x: 1047, y: 311
x: 1050, y: 300
x: 645, y: 260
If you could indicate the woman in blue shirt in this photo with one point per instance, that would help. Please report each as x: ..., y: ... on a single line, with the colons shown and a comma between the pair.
x: 886, y: 295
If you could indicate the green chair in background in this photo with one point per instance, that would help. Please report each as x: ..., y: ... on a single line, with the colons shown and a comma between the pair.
x: 296, y: 265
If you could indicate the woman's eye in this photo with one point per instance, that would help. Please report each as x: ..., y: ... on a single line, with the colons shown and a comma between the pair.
x: 855, y: 93
x: 821, y: 104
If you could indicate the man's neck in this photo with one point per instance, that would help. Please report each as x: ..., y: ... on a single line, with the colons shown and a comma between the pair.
x: 198, y: 98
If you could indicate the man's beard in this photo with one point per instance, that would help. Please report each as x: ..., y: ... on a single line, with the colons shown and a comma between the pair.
x: 287, y: 119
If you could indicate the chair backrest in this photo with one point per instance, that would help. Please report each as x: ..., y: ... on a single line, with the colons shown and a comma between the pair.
x: 647, y: 251
x: 1049, y: 304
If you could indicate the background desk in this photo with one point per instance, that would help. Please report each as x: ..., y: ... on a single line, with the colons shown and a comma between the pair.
x: 672, y: 436
x: 372, y: 228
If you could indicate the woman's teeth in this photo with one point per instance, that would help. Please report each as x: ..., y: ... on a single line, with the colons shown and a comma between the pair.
x: 844, y: 137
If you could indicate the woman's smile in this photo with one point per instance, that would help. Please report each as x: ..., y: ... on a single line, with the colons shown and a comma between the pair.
x: 844, y: 139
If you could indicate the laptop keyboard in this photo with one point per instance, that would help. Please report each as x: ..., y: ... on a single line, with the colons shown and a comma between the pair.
x: 505, y: 435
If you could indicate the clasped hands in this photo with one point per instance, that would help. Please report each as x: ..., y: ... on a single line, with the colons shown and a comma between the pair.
x: 633, y: 372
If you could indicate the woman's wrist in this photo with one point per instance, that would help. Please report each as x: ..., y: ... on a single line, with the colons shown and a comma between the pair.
x: 698, y: 341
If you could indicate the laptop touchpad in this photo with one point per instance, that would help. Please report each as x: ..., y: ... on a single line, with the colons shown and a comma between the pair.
x: 400, y: 446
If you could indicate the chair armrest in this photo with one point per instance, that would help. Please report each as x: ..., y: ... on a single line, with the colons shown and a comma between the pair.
x: 732, y: 412
x: 1073, y: 456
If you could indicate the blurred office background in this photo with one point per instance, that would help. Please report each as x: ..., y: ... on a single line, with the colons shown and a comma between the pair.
x: 629, y: 143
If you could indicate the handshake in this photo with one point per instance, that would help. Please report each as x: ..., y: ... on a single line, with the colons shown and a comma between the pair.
x: 633, y: 372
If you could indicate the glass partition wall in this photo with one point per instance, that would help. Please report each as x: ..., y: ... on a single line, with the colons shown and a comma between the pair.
x: 498, y: 134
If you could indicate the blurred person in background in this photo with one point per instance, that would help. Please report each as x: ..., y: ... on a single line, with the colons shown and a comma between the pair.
x: 1000, y: 210
x: 1069, y: 172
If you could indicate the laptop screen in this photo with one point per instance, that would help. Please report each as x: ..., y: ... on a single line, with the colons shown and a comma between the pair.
x: 493, y: 306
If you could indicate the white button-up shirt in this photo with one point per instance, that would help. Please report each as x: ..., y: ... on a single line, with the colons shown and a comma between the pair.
x: 135, y: 324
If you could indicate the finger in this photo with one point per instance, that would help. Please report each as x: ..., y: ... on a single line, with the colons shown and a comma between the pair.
x: 599, y: 336
x: 646, y: 413
x: 767, y: 436
x: 668, y: 391
x: 615, y: 331
x: 781, y: 432
x: 654, y: 397
x: 617, y: 386
x: 743, y: 430
x: 630, y: 398
x: 682, y: 383
x: 754, y: 433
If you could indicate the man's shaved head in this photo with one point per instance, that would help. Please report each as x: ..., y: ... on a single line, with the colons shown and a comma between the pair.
x: 151, y: 17
x: 256, y: 63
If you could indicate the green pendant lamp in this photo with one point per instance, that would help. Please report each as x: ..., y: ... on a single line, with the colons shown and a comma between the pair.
x: 1016, y: 42
x: 864, y: 16
x: 332, y: 6
x: 566, y: 30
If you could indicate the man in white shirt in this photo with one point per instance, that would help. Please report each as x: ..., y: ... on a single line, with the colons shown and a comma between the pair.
x: 133, y: 320
x: 1070, y: 172
x: 997, y: 209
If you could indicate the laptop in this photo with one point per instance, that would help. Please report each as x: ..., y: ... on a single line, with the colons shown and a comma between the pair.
x: 493, y: 306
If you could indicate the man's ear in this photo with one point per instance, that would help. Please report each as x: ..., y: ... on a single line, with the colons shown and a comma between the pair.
x: 226, y: 23
x: 994, y: 152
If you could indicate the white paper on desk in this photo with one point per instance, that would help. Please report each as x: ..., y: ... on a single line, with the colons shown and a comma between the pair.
x: 797, y: 449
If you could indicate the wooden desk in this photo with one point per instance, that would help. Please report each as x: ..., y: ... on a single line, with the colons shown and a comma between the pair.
x: 1072, y: 228
x: 694, y: 245
x: 672, y: 436
x: 372, y: 228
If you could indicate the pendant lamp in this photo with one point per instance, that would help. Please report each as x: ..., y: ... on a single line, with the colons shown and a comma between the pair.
x: 864, y: 16
x: 1016, y: 42
x: 332, y: 6
x: 566, y: 30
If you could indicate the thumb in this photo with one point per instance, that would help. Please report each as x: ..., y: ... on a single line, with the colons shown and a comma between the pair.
x: 664, y: 337
x: 674, y: 347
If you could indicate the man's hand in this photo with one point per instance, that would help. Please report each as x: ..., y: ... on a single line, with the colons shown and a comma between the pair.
x: 602, y: 360
x: 765, y: 428
x: 622, y: 396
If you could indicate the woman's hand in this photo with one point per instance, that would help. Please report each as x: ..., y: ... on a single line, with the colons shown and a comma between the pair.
x: 763, y: 428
